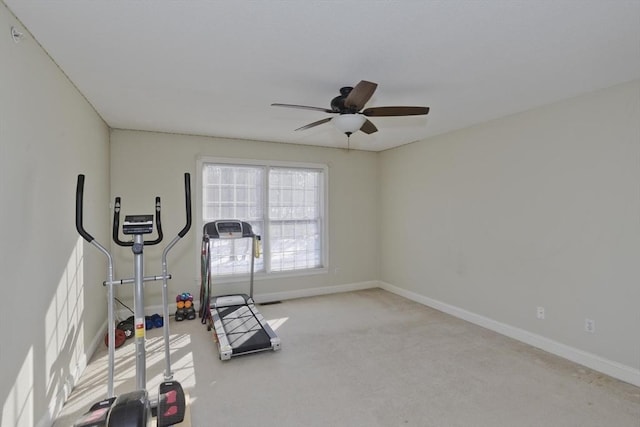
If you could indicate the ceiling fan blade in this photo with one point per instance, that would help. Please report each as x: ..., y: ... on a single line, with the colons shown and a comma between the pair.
x: 369, y: 127
x: 319, y: 122
x: 304, y: 107
x: 360, y: 95
x: 395, y: 111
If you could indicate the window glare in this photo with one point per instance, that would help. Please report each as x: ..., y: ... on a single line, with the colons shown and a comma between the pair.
x: 232, y: 192
x: 294, y: 215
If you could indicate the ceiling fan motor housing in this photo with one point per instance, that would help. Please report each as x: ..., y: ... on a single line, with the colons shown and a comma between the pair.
x: 337, y: 103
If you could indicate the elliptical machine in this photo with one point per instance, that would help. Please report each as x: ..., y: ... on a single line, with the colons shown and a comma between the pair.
x: 134, y: 409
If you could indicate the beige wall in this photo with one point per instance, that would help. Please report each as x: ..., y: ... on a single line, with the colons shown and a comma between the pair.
x: 536, y: 209
x: 53, y: 301
x: 146, y: 164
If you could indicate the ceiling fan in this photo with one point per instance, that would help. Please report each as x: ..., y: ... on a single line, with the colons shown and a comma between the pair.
x: 348, y: 106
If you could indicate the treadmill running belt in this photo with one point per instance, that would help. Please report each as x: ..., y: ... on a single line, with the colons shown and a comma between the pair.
x: 244, y: 332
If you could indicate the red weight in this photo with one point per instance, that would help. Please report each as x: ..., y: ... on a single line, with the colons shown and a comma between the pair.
x: 120, y: 338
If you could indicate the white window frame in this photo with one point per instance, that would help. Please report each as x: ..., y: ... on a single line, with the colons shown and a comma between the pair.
x: 267, y: 274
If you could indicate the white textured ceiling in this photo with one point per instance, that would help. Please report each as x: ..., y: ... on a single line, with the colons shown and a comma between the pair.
x: 214, y: 67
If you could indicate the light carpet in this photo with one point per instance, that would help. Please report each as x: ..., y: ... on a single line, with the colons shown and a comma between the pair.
x: 371, y: 358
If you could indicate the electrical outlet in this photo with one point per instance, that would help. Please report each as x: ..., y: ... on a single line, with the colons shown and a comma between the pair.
x: 540, y: 313
x: 589, y: 325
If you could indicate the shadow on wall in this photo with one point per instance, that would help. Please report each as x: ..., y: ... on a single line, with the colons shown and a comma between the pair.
x: 64, y: 355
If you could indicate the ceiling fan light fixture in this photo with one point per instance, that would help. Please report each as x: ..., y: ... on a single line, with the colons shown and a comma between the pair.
x: 348, y: 123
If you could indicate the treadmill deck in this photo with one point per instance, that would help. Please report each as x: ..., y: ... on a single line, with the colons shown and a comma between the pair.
x: 240, y: 328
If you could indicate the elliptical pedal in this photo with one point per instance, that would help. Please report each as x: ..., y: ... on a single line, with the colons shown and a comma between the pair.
x: 131, y: 409
x: 171, y: 404
x: 97, y: 415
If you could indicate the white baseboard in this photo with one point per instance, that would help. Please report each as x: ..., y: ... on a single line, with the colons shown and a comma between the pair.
x: 269, y: 297
x: 592, y: 361
x: 312, y: 292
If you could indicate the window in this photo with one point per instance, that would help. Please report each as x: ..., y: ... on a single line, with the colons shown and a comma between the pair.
x: 285, y: 205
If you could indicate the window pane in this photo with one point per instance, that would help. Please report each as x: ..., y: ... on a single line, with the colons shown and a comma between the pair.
x: 233, y: 192
x: 294, y: 220
x: 295, y: 245
x: 233, y: 256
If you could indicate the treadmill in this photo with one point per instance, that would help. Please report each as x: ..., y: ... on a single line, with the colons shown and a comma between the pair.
x: 238, y: 326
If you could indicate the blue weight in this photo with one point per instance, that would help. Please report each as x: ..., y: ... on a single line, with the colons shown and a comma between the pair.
x: 157, y: 320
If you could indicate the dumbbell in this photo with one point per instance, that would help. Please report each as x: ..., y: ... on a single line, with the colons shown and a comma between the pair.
x: 153, y: 321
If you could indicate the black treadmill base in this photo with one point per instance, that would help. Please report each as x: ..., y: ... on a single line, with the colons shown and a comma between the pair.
x: 244, y: 332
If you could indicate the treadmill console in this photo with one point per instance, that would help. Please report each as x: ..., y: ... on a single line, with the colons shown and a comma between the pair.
x: 229, y: 229
x: 137, y: 224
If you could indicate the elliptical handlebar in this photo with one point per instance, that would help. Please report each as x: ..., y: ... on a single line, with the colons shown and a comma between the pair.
x: 111, y: 316
x: 116, y: 225
x: 181, y: 234
x: 116, y: 214
x: 158, y: 225
x: 187, y: 200
x: 79, y: 199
